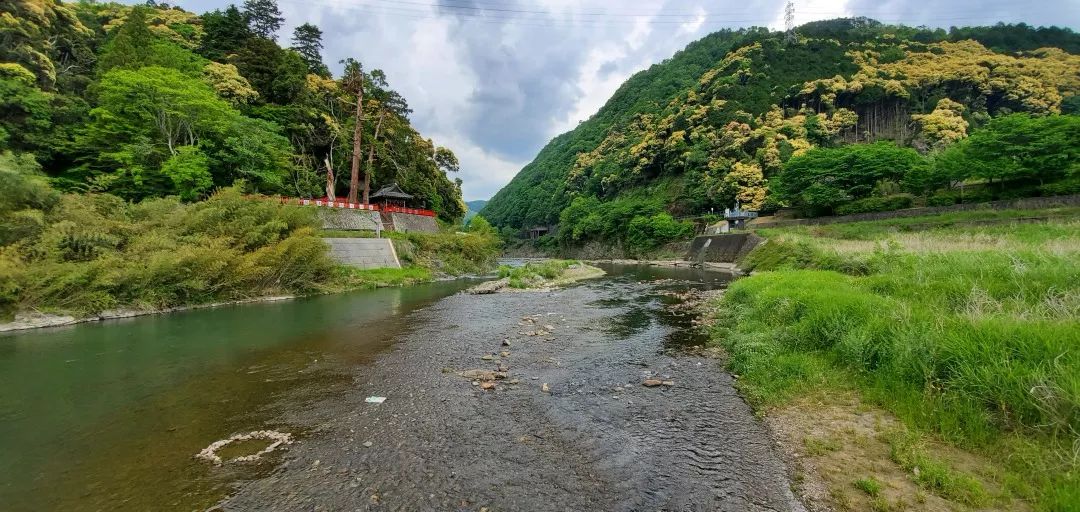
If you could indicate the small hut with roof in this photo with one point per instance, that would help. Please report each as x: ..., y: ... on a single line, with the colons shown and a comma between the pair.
x: 390, y: 195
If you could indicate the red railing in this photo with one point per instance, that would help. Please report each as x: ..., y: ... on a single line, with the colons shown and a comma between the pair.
x: 326, y: 202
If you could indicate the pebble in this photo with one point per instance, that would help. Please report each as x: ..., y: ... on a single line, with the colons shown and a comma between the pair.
x: 545, y: 388
x: 488, y: 357
x: 368, y: 444
x: 649, y: 383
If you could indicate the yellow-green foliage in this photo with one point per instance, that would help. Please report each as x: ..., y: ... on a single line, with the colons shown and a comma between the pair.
x: 534, y: 273
x: 968, y: 331
x: 87, y: 253
x: 448, y: 252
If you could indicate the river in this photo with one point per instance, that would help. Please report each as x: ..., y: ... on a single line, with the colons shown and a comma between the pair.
x: 109, y: 415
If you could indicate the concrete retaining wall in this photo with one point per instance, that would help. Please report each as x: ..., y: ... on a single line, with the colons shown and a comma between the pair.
x: 349, y: 220
x: 722, y: 248
x: 408, y: 223
x: 1026, y: 203
x: 364, y: 252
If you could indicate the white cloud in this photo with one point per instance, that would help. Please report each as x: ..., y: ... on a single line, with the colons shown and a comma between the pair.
x: 496, y: 89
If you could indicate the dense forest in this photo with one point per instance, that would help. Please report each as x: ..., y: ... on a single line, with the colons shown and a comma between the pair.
x: 842, y: 116
x: 153, y: 101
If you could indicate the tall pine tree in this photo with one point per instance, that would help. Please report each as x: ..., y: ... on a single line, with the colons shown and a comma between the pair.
x: 225, y: 33
x: 307, y: 41
x: 263, y: 17
x: 130, y: 46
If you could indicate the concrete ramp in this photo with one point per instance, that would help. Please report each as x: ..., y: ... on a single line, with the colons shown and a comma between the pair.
x: 364, y: 252
x: 722, y: 248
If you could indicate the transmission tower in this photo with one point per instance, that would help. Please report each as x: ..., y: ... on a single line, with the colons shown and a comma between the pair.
x: 789, y: 21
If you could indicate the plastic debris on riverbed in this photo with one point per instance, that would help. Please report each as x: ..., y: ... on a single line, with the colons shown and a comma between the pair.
x: 375, y: 399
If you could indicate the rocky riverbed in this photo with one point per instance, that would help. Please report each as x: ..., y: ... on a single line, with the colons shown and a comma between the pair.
x: 583, y: 398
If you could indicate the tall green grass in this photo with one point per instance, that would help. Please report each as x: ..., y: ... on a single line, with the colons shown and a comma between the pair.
x: 534, y: 273
x: 981, y: 347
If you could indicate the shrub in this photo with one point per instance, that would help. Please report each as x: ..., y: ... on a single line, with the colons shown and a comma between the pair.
x: 877, y: 204
x: 93, y: 252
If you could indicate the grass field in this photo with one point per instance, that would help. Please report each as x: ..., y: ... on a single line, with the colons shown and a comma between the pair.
x: 967, y: 331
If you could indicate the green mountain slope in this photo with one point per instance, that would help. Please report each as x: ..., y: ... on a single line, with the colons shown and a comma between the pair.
x: 719, y: 120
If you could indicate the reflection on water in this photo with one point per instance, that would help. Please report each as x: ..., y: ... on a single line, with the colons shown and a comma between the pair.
x: 109, y: 415
x: 661, y: 305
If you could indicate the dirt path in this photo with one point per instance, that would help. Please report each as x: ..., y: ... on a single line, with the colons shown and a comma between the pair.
x: 598, y: 440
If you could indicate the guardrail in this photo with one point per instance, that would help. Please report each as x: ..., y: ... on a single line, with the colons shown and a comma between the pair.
x: 327, y: 203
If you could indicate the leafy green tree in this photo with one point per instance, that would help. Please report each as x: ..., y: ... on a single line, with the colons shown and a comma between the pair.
x: 824, y: 178
x: 263, y: 17
x: 25, y: 111
x: 480, y: 225
x: 141, y: 120
x: 189, y: 170
x: 252, y: 150
x: 225, y: 33
x: 1018, y: 147
x: 307, y: 41
x: 278, y: 75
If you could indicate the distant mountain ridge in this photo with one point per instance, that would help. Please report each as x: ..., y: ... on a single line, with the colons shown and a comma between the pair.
x: 474, y: 207
x: 712, y: 124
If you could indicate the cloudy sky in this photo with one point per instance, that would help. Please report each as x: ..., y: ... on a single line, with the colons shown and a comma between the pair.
x: 494, y: 80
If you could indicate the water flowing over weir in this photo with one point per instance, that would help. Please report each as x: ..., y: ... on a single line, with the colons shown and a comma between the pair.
x: 111, y: 416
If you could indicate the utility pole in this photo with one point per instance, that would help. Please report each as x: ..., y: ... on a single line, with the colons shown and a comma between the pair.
x: 789, y: 22
x: 354, y: 178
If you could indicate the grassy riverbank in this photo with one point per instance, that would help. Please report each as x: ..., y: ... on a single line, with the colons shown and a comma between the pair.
x: 966, y: 332
x: 81, y: 254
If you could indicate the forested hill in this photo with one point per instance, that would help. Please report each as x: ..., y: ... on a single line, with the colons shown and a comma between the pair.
x: 153, y: 100
x: 722, y: 119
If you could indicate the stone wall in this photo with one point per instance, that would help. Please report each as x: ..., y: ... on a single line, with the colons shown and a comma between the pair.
x: 408, y: 223
x: 341, y: 219
x: 722, y: 248
x: 364, y: 252
x: 1031, y: 203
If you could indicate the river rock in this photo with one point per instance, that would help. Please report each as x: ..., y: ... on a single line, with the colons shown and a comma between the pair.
x: 487, y: 385
x: 545, y: 388
x: 668, y: 383
x: 489, y: 287
x: 651, y: 383
x: 504, y: 353
x: 483, y: 374
x: 487, y: 357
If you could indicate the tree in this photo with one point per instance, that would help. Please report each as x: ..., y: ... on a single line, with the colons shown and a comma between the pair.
x: 130, y: 46
x: 225, y: 33
x: 353, y: 79
x: 142, y: 119
x: 307, y: 41
x: 25, y: 111
x: 227, y: 82
x: 189, y: 170
x: 278, y: 75
x: 263, y: 18
x: 446, y: 160
x: 944, y: 126
x: 1018, y: 147
x: 824, y: 178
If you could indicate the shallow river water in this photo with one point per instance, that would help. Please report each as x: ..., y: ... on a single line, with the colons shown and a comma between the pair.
x: 108, y: 416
